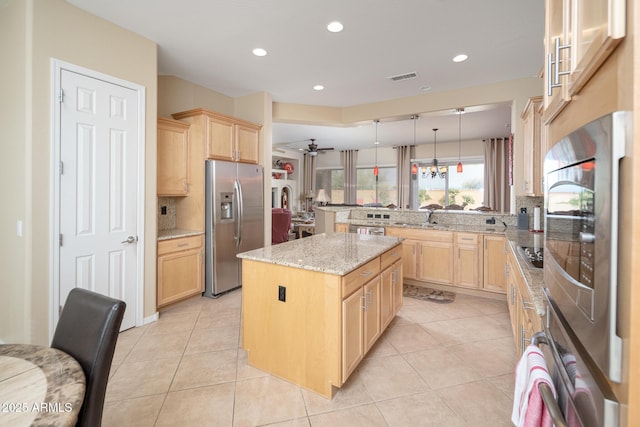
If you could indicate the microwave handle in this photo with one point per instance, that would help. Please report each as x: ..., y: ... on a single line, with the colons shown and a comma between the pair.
x: 619, y: 133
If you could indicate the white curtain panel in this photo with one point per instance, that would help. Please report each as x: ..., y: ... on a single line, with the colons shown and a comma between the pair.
x: 496, y: 174
x: 349, y: 160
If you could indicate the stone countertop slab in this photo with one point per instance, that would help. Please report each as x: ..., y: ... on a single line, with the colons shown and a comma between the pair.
x: 497, y: 228
x: 333, y: 253
x: 176, y: 233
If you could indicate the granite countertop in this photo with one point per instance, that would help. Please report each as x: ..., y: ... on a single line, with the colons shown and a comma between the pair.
x: 176, y: 233
x: 534, y: 277
x: 497, y: 228
x: 333, y: 253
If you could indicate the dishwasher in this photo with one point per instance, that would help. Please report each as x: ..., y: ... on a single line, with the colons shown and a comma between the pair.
x: 366, y: 229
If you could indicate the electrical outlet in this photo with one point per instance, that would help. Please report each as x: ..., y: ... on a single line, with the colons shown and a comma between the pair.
x: 378, y: 216
x: 386, y: 216
x: 282, y: 293
x: 369, y: 215
x: 163, y: 210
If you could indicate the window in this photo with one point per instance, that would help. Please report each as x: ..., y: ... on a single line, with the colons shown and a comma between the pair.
x: 387, y: 186
x: 332, y: 180
x: 464, y: 189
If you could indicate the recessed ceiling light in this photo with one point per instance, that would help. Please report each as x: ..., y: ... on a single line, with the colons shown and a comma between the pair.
x: 318, y: 87
x: 460, y: 58
x: 335, y: 27
x: 259, y: 52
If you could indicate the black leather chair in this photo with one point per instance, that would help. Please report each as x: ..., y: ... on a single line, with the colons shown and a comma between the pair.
x: 88, y: 330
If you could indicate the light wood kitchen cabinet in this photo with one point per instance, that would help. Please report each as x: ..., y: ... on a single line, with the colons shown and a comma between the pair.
x: 173, y: 158
x: 557, y: 30
x: 341, y: 227
x: 371, y: 312
x: 410, y: 250
x: 390, y: 285
x: 525, y: 321
x: 468, y: 260
x: 180, y: 269
x: 597, y: 28
x: 232, y: 141
x: 436, y: 258
x: 579, y: 37
x: 534, y: 151
x: 495, y: 259
x: 224, y: 137
x: 352, y: 332
x: 327, y: 323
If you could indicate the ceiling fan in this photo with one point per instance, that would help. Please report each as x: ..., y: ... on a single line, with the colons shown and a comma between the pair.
x: 313, y: 148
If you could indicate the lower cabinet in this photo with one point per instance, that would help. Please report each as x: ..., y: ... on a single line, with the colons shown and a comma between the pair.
x: 341, y: 227
x: 525, y: 321
x: 468, y: 260
x: 180, y: 269
x: 436, y: 258
x: 495, y: 261
x: 464, y: 259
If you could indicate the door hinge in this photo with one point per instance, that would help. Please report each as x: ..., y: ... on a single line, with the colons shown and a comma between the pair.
x: 61, y: 96
x: 60, y: 168
x: 60, y: 240
x: 59, y: 310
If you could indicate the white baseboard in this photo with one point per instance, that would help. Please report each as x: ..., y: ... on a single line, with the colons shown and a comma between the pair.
x: 151, y: 318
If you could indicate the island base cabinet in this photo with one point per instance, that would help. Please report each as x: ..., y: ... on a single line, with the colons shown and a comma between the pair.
x: 352, y: 332
x: 313, y: 328
x: 297, y: 339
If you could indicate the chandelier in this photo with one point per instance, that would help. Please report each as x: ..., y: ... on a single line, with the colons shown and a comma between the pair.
x: 435, y: 170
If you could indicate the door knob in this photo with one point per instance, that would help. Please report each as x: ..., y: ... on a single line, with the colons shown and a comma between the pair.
x: 130, y: 239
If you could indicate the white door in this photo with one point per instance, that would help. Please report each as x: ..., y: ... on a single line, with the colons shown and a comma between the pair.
x: 98, y: 189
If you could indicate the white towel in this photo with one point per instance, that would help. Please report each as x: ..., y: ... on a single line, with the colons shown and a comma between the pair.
x: 528, y: 407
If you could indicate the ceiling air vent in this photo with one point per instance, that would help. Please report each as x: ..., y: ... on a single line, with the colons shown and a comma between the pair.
x: 405, y: 76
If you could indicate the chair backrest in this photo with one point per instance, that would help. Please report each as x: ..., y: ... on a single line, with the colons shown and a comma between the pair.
x: 280, y: 225
x: 88, y: 330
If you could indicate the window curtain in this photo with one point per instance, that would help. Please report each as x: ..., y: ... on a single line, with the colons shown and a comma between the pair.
x: 496, y: 174
x: 349, y: 160
x: 309, y: 179
x: 404, y: 155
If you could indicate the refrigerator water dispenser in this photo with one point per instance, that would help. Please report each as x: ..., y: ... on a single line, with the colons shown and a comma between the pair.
x: 226, y: 206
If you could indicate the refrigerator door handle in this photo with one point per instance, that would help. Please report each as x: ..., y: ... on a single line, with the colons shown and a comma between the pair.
x: 240, y: 217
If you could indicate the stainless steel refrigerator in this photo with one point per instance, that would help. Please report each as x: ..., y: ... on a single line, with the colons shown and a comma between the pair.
x: 234, y: 214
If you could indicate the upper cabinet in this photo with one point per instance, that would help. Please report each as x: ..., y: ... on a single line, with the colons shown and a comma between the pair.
x: 534, y: 147
x: 579, y: 36
x: 225, y: 137
x: 173, y: 158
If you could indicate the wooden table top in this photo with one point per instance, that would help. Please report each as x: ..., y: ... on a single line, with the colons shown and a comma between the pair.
x: 39, y: 386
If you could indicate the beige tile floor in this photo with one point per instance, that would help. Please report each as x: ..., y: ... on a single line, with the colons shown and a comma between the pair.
x: 436, y: 365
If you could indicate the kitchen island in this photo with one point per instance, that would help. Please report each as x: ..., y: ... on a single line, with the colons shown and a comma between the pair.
x: 313, y: 307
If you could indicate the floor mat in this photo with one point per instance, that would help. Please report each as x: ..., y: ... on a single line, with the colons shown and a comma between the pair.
x: 428, y: 294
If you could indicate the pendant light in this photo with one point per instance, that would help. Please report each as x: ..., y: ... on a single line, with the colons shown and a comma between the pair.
x: 375, y: 168
x: 435, y: 170
x: 414, y: 166
x: 459, y: 111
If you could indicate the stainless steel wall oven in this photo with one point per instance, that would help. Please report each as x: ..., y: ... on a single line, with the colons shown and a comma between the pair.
x: 580, y: 268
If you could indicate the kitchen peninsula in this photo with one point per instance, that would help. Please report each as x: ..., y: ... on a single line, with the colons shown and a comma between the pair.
x: 313, y: 307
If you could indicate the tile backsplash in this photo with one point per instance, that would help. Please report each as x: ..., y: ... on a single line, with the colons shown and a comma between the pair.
x: 166, y: 221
